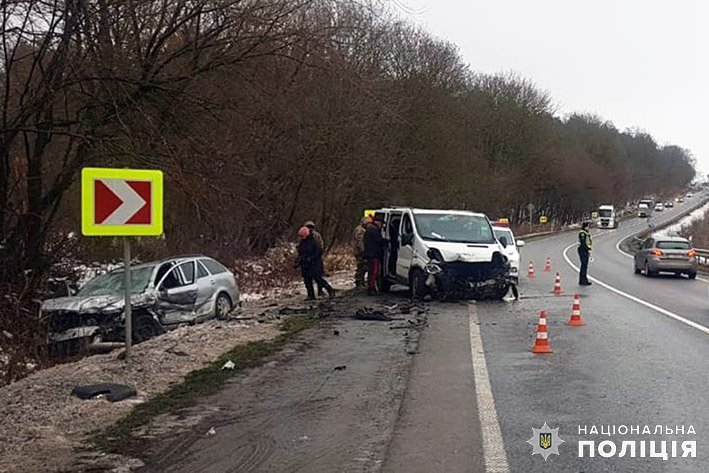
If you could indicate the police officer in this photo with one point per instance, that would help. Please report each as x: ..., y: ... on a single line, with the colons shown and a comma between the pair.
x: 585, y: 246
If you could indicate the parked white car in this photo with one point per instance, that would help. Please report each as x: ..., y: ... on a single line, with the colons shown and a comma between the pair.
x: 507, y: 239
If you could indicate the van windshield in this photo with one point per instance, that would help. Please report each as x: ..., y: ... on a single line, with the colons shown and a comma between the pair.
x: 605, y: 213
x: 455, y: 228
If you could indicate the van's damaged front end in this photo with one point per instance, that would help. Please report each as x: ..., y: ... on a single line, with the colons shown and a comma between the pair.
x: 465, y: 279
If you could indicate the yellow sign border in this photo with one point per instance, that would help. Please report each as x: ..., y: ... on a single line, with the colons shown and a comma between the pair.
x: 89, y: 228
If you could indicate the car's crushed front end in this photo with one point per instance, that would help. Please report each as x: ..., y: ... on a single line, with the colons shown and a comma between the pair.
x: 91, y: 323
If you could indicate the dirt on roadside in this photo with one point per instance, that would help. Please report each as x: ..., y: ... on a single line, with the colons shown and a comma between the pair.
x: 43, y: 423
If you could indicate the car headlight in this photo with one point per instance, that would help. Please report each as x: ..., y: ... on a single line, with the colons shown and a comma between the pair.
x: 513, y: 269
x: 433, y: 268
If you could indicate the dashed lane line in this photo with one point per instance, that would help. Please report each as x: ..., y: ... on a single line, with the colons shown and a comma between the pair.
x: 493, y: 447
x: 666, y: 312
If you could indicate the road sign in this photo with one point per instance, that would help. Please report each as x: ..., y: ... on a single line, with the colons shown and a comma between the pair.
x: 543, y: 219
x: 369, y: 213
x: 504, y: 220
x: 121, y: 202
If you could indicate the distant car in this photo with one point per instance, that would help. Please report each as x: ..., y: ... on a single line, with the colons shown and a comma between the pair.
x: 511, y: 248
x: 689, y: 195
x: 680, y: 199
x: 669, y: 204
x: 659, y: 207
x: 165, y: 294
x: 671, y: 254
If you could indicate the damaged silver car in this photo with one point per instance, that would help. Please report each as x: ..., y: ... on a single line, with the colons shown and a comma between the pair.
x: 165, y: 294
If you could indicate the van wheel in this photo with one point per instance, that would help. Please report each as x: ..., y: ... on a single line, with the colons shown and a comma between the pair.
x: 417, y: 284
x: 692, y: 275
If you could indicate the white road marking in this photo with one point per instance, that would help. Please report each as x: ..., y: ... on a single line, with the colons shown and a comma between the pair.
x: 131, y: 202
x: 666, y: 312
x: 493, y: 447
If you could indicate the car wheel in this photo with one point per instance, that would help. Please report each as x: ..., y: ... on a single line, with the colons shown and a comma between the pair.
x: 637, y: 271
x: 417, y: 284
x: 648, y: 273
x: 145, y: 327
x: 222, y: 306
x: 692, y: 275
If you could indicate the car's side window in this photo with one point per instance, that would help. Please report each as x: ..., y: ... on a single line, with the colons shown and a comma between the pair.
x: 187, y: 272
x: 171, y: 281
x: 201, y: 271
x: 213, y: 266
x: 162, y: 271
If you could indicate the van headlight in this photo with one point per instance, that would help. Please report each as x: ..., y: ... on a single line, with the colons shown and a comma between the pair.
x: 433, y: 268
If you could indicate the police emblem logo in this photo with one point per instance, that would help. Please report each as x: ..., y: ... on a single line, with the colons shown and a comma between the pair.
x: 545, y: 441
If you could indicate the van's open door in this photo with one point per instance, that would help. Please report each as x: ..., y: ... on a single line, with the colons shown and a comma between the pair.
x: 391, y: 234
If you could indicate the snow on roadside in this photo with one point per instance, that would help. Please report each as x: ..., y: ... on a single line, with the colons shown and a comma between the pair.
x: 43, y: 422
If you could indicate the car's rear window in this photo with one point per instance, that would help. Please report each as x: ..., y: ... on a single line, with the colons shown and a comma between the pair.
x: 673, y: 245
x: 213, y: 266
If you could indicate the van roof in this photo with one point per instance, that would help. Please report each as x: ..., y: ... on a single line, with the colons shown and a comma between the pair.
x: 434, y: 211
x: 605, y: 207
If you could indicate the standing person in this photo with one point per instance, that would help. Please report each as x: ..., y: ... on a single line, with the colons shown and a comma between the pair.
x: 358, y: 251
x: 374, y: 245
x: 585, y: 246
x: 321, y: 243
x: 310, y: 263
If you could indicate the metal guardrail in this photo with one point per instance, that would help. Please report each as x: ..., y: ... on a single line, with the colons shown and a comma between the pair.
x: 702, y: 256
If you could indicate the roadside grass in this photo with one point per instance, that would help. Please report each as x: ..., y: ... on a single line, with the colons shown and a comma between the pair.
x: 200, y: 383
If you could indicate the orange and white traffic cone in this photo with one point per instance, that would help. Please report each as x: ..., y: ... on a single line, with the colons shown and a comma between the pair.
x: 530, y: 270
x: 557, y: 285
x: 547, y: 265
x: 575, y: 320
x: 541, y: 343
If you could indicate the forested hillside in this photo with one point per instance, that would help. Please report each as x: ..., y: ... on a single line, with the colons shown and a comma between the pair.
x: 263, y: 113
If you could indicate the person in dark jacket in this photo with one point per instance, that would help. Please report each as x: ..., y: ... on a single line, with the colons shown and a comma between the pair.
x: 321, y: 243
x: 374, y: 246
x: 585, y: 246
x: 310, y: 263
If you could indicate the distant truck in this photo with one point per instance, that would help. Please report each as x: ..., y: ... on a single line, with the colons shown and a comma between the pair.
x: 607, y: 217
x: 645, y: 207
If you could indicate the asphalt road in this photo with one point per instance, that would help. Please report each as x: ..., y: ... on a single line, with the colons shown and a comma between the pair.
x: 466, y: 398
x: 630, y: 365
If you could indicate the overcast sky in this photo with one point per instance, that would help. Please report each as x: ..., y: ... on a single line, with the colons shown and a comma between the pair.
x: 638, y: 63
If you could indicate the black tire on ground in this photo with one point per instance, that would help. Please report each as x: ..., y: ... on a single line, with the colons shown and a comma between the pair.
x: 222, y: 306
x: 692, y: 275
x: 145, y: 327
x: 385, y: 285
x: 417, y: 284
x: 637, y: 271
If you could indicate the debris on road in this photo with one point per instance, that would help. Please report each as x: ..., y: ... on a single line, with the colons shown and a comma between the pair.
x: 229, y: 365
x: 373, y: 314
x: 340, y: 368
x: 112, y: 392
x: 211, y: 431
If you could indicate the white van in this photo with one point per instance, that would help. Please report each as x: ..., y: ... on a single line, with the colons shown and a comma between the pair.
x: 607, y: 217
x: 446, y: 253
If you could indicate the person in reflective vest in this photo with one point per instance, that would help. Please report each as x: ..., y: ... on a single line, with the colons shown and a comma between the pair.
x: 585, y: 246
